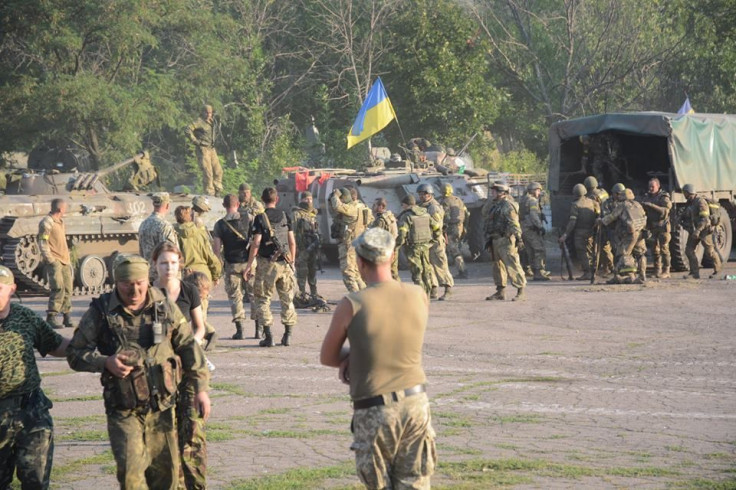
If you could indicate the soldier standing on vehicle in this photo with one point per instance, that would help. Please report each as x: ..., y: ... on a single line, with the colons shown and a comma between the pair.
x: 455, y: 226
x: 345, y: 215
x: 55, y: 253
x: 437, y: 253
x: 308, y: 244
x: 137, y: 338
x: 386, y: 220
x: 156, y: 229
x: 583, y: 214
x: 605, y: 258
x: 503, y: 236
x: 416, y: 228
x: 27, y: 436
x: 272, y: 241
x: 532, y: 229
x: 657, y: 205
x: 697, y: 222
x: 630, y: 220
x: 202, y: 133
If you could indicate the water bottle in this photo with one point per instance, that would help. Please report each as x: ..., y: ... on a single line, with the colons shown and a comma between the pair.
x: 731, y: 277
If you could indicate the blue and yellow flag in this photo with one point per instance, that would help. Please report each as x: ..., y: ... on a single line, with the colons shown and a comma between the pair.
x: 375, y: 115
x: 686, y: 108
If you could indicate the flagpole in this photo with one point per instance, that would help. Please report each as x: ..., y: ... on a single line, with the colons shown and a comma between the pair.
x: 403, y: 138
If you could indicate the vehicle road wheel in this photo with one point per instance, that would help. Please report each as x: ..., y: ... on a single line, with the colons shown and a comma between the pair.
x: 92, y: 272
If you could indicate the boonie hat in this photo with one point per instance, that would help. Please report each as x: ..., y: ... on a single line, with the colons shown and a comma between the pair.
x: 160, y: 198
x: 201, y: 203
x: 6, y: 276
x: 375, y: 245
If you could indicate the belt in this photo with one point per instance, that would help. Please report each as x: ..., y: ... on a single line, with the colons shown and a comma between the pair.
x: 378, y: 400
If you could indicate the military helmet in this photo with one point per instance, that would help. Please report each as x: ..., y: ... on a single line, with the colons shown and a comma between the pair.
x: 447, y: 189
x: 201, y: 204
x: 618, y: 188
x: 345, y: 195
x: 450, y: 152
x: 426, y: 188
x: 500, y: 186
x: 579, y: 190
x: 533, y: 186
x: 688, y: 189
x: 590, y: 183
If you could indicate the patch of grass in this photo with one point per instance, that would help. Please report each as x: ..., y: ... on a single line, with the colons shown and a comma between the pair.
x: 300, y: 478
x: 557, y: 436
x: 723, y: 456
x: 676, y: 449
x: 460, y: 450
x: 518, y: 419
x: 80, y: 398
x: 512, y: 447
x: 57, y: 373
x: 708, y: 484
x: 63, y: 472
x: 533, y: 379
x: 229, y: 389
x: 472, y: 398
x: 74, y: 422
x: 83, y: 436
x: 274, y: 411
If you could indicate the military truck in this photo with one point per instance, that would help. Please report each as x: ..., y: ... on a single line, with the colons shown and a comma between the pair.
x: 631, y: 148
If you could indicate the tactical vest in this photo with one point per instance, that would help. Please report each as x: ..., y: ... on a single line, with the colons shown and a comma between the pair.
x: 279, y: 228
x: 654, y: 221
x: 454, y: 210
x: 235, y: 248
x: 497, y: 224
x: 344, y: 227
x: 634, y: 216
x: 420, y: 228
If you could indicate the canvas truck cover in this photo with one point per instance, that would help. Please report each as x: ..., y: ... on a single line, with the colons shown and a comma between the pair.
x: 701, y: 147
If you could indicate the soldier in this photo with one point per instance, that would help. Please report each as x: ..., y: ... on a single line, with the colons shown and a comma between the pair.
x: 346, y: 216
x: 27, y: 436
x: 365, y: 215
x: 201, y: 206
x: 232, y: 239
x: 155, y: 229
x: 455, y: 226
x: 437, y: 253
x: 273, y: 242
x: 137, y: 339
x: 306, y: 233
x: 55, y: 253
x: 583, y: 214
x: 503, y: 234
x: 416, y: 228
x: 202, y: 133
x: 657, y: 205
x: 252, y: 207
x: 630, y: 219
x: 386, y: 220
x: 697, y: 222
x: 393, y: 437
x: 532, y: 230
x: 601, y: 196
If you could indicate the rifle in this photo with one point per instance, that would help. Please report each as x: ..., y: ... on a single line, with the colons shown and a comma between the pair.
x: 566, y: 262
x: 597, y: 243
x: 316, y: 244
x: 281, y: 249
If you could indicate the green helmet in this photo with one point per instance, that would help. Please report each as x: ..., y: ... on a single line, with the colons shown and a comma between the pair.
x: 447, y: 189
x: 618, y: 188
x: 688, y: 189
x: 533, y: 186
x: 590, y: 183
x: 579, y: 190
x: 427, y: 188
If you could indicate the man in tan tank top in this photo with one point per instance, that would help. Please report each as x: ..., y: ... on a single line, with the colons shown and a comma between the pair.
x: 385, y: 324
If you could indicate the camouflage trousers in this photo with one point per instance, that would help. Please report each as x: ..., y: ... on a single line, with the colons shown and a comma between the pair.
x: 454, y: 251
x: 419, y: 266
x: 145, y: 447
x: 395, y: 266
x: 583, y: 240
x: 709, y: 251
x: 211, y: 170
x: 606, y: 257
x: 505, y: 262
x: 26, y: 441
x: 630, y: 248
x: 394, y: 444
x: 236, y: 288
x: 438, y: 259
x: 349, y: 267
x: 534, y: 243
x: 61, y: 283
x: 660, y: 244
x: 272, y: 276
x: 192, y: 444
x: 306, y: 270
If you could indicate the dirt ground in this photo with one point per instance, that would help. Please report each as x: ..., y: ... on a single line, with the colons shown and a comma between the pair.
x: 578, y: 387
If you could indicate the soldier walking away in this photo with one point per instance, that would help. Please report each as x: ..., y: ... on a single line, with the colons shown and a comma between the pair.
x: 455, y: 226
x: 697, y: 222
x: 308, y: 245
x: 250, y: 206
x: 583, y: 214
x: 156, y: 229
x: 140, y: 342
x: 599, y: 194
x: 273, y: 243
x: 532, y: 230
x: 202, y: 133
x: 27, y: 436
x: 385, y: 324
x: 232, y: 239
x: 630, y: 219
x: 55, y: 253
x: 385, y: 220
x: 503, y: 236
x: 415, y: 231
x: 657, y: 205
x: 345, y: 216
x: 437, y: 253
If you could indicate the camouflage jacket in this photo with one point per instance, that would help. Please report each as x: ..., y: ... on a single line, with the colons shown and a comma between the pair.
x: 306, y: 227
x: 386, y: 221
x: 197, y: 250
x: 658, y: 208
x: 416, y: 227
x: 530, y: 212
x: 154, y: 230
x: 202, y: 133
x: 456, y: 214
x: 629, y: 217
x: 251, y: 208
x: 503, y: 220
x: 696, y: 218
x: 583, y: 213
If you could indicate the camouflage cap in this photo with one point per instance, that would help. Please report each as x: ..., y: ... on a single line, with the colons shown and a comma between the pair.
x: 160, y: 198
x: 375, y: 245
x: 244, y: 187
x: 129, y: 267
x: 6, y: 276
x: 201, y: 203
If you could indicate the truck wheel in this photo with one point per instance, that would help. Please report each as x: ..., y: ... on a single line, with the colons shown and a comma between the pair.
x: 476, y: 237
x: 677, y: 249
x: 722, y: 237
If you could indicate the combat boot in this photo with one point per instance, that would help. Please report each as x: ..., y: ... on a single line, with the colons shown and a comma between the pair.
x: 53, y: 320
x: 210, y: 339
x: 665, y: 267
x: 433, y: 294
x: 500, y: 295
x: 665, y: 273
x: 259, y: 331
x: 614, y: 280
x: 585, y: 277
x: 238, y: 335
x: 68, y: 321
x: 268, y: 339
x: 657, y: 267
x: 520, y: 295
x: 446, y: 295
x: 539, y: 276
x: 285, y: 339
x: 692, y: 275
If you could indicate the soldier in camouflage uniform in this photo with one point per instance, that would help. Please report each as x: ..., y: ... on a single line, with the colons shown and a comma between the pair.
x: 306, y: 233
x: 696, y: 221
x: 201, y: 206
x: 532, y: 230
x: 455, y: 226
x: 386, y: 220
x: 583, y: 214
x: 202, y: 133
x: 155, y: 229
x: 416, y: 227
x: 657, y: 205
x: 630, y: 219
x: 393, y: 438
x: 437, y: 253
x: 346, y: 218
x: 139, y: 340
x: 605, y: 259
x: 55, y: 253
x: 26, y: 428
x: 503, y: 236
x: 251, y: 207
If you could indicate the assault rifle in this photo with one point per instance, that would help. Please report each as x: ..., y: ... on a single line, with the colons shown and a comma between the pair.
x: 282, y: 249
x: 566, y: 262
x: 316, y: 244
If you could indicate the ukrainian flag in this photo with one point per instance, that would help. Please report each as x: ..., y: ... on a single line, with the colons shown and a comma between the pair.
x: 375, y: 115
x: 686, y: 108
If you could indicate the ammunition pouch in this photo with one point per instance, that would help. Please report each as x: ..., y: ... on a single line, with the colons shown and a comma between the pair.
x: 153, y: 386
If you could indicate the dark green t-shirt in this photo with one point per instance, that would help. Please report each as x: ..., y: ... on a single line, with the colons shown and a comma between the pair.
x: 20, y: 333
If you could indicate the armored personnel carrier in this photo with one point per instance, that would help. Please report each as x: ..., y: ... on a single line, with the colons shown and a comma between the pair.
x: 99, y: 223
